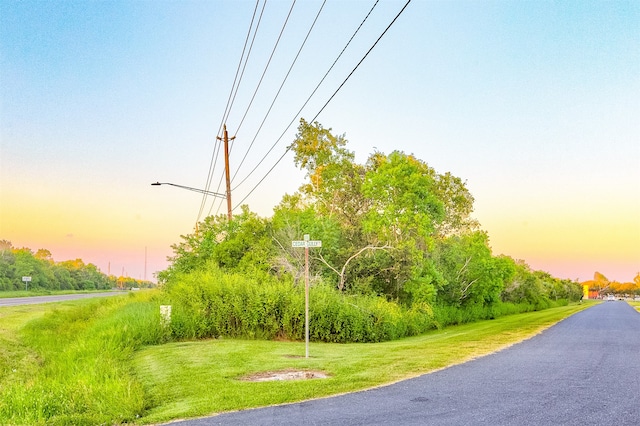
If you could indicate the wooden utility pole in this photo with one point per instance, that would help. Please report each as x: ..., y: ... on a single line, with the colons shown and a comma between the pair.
x: 227, y: 173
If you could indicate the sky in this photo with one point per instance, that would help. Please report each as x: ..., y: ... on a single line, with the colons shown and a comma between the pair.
x: 535, y: 104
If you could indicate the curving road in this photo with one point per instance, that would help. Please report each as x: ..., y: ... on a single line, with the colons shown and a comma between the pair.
x: 584, y: 370
x: 14, y: 301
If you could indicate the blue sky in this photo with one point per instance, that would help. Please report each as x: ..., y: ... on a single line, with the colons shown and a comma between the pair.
x: 534, y: 104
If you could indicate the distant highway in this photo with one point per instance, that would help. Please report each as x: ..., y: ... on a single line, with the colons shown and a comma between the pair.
x: 15, y: 301
x: 585, y: 370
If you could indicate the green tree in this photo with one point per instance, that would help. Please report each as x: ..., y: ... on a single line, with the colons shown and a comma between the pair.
x: 458, y: 206
x: 387, y: 212
x: 334, y: 184
x: 404, y: 213
x: 7, y: 266
x: 527, y: 286
x: 240, y: 244
x: 471, y: 274
x: 26, y: 264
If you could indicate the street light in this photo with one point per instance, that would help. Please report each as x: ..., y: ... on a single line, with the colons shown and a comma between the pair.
x: 202, y: 191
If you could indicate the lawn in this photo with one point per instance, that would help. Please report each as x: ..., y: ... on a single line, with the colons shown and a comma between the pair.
x: 219, y: 366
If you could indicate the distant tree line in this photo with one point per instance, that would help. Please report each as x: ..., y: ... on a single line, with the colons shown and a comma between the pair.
x: 601, y: 285
x: 47, y: 274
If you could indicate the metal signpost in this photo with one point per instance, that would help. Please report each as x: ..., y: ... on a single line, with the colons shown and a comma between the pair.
x: 26, y: 282
x: 306, y: 243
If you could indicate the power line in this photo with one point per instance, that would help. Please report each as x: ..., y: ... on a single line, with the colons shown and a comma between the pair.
x: 262, y: 76
x: 234, y: 87
x: 308, y: 98
x: 273, y: 51
x: 327, y: 103
x: 279, y: 90
x: 230, y: 101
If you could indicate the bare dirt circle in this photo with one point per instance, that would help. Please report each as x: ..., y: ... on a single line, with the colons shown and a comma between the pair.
x: 266, y: 376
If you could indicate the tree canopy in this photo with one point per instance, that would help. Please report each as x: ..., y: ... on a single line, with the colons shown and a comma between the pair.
x: 392, y: 227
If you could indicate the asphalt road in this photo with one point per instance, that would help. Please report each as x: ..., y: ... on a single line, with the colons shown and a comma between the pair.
x: 585, y: 370
x: 14, y: 301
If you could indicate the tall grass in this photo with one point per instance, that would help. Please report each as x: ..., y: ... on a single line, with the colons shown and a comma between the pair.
x: 83, y: 375
x: 445, y: 315
x: 214, y: 304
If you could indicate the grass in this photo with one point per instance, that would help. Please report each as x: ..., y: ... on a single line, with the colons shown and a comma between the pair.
x: 93, y: 362
x: 167, y: 372
x: 70, y: 366
x: 16, y: 359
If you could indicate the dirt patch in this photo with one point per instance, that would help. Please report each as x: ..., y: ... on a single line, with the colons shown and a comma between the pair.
x: 266, y: 376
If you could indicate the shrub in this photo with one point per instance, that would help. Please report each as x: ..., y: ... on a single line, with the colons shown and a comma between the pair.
x: 213, y: 303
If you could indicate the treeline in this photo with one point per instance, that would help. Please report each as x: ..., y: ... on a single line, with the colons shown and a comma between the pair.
x: 601, y: 285
x: 391, y: 228
x: 47, y: 274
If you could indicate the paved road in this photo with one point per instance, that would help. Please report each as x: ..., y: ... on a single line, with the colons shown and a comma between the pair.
x: 583, y: 371
x: 13, y: 301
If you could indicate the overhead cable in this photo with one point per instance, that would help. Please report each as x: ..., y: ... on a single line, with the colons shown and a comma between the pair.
x: 295, y: 117
x: 279, y: 90
x: 228, y: 107
x: 273, y: 51
x: 329, y: 100
x: 284, y: 25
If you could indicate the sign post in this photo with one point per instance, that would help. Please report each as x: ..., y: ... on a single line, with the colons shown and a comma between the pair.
x: 306, y: 243
x: 26, y: 281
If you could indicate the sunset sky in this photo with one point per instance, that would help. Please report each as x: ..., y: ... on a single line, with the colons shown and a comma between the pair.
x: 535, y: 104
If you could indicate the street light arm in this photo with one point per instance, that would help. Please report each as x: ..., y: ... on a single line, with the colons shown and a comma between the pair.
x: 201, y: 191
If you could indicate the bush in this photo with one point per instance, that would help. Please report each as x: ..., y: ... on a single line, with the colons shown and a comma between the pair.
x: 445, y: 315
x: 213, y: 303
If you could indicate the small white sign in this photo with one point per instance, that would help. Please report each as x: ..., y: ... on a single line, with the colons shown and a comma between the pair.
x: 300, y: 243
x: 165, y: 315
x: 26, y: 279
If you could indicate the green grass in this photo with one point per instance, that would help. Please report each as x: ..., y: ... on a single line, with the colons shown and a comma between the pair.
x: 71, y: 366
x: 16, y: 359
x: 97, y: 362
x: 167, y: 372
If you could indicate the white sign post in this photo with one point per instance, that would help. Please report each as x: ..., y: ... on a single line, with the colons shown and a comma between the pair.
x: 306, y: 243
x: 26, y: 281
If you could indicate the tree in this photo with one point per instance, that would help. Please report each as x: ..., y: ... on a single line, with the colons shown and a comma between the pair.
x: 524, y: 286
x: 404, y: 204
x: 334, y: 179
x: 397, y: 202
x: 404, y: 213
x: 44, y: 254
x: 471, y: 275
x: 238, y: 244
x: 7, y: 265
x: 292, y: 219
x: 458, y: 206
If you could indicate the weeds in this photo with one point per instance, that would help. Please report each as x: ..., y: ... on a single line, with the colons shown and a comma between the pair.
x: 83, y: 375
